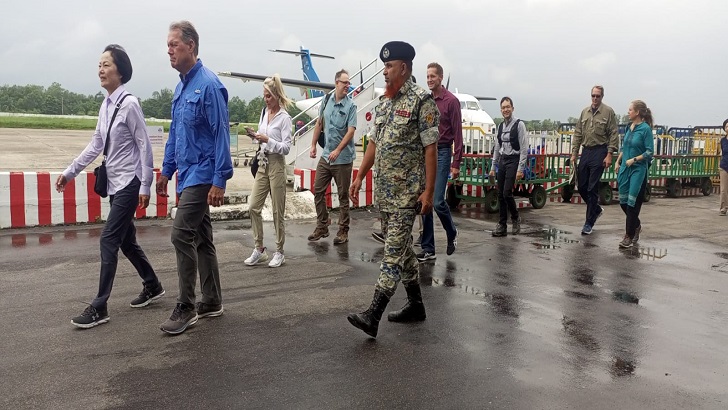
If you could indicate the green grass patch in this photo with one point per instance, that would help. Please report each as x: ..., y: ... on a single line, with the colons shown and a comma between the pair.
x: 77, y: 123
x: 48, y: 123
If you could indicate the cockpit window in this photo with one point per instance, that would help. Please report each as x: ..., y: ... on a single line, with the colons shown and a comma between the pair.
x: 462, y: 105
x: 472, y: 105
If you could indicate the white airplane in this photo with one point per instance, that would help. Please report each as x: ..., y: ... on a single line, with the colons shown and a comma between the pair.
x: 473, y: 114
x: 471, y: 111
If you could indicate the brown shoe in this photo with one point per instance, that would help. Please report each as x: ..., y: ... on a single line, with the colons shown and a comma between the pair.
x: 319, y: 233
x: 341, y: 237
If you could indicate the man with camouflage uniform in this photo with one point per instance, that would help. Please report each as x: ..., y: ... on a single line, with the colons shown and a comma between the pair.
x: 404, y: 148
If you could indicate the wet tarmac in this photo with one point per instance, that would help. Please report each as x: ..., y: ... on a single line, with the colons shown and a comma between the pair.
x: 547, y: 319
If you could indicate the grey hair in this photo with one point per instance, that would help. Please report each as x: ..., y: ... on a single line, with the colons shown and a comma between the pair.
x: 188, y: 33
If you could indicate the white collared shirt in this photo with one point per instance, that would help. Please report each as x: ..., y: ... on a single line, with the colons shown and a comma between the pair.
x: 278, y: 133
x: 130, y: 151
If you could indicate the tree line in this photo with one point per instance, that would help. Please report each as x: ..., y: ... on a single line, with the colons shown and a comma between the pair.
x: 56, y: 100
x: 551, y: 125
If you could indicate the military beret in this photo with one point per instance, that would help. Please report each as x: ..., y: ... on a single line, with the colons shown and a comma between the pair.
x: 397, y: 50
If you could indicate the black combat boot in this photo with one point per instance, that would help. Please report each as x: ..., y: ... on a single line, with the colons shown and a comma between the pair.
x: 368, y: 320
x: 414, y: 310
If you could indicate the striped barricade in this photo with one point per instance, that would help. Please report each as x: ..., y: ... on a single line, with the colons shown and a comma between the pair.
x: 304, y: 179
x: 30, y: 199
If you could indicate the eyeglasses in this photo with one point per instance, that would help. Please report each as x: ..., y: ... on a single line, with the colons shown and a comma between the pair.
x: 596, y: 96
x: 343, y: 82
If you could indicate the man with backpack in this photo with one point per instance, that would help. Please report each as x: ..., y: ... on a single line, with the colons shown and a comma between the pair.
x: 337, y: 120
x: 510, y: 154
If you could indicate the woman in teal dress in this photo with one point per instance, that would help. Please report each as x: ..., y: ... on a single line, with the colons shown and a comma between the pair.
x: 632, y: 167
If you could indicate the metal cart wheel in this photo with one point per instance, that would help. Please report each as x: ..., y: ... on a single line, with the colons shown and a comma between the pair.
x: 648, y: 193
x: 451, y: 195
x: 491, y: 201
x: 567, y: 192
x: 236, y: 162
x: 672, y: 186
x: 706, y: 185
x: 538, y: 197
x: 605, y: 194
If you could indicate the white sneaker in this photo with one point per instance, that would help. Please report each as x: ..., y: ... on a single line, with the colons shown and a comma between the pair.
x: 277, y: 260
x: 256, y: 257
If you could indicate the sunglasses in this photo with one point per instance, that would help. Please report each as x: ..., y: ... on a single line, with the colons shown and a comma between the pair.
x: 596, y: 96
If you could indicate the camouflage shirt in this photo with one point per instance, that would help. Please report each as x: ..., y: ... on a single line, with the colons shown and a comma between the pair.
x: 404, y: 125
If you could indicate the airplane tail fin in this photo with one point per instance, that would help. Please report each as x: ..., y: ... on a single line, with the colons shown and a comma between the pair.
x: 309, y: 73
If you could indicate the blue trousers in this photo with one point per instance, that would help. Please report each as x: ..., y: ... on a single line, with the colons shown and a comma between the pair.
x: 591, y: 167
x: 120, y: 233
x: 444, y: 155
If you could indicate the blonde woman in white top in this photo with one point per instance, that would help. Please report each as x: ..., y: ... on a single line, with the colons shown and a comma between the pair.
x: 274, y: 136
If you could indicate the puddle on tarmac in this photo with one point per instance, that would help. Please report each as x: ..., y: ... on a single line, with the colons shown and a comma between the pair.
x: 625, y: 296
x: 234, y: 227
x: 584, y: 276
x: 545, y: 245
x: 723, y: 255
x: 581, y: 332
x: 501, y: 303
x: 376, y: 257
x: 552, y: 238
x: 621, y: 367
x: 720, y: 267
x: 641, y: 252
x: 580, y: 295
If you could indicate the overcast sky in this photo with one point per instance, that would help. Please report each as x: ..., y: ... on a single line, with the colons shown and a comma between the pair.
x: 545, y: 54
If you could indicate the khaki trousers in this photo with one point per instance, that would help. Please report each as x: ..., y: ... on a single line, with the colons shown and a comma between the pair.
x: 271, y: 179
x: 342, y: 176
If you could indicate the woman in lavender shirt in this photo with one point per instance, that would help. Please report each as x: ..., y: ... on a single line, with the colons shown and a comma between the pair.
x: 129, y: 165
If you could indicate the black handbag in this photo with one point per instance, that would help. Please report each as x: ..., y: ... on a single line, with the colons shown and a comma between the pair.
x: 101, y: 185
x: 322, y: 136
x: 254, y: 162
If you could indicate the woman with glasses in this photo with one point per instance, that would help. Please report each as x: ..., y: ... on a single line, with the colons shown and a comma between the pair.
x: 632, y: 166
x: 129, y: 164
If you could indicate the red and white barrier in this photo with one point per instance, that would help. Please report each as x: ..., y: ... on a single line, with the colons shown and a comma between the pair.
x: 304, y: 179
x: 30, y: 199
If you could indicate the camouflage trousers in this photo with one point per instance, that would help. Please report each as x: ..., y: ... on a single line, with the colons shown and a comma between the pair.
x: 399, y: 262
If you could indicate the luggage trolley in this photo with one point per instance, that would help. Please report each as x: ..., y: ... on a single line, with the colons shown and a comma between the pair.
x: 234, y: 147
x: 235, y: 151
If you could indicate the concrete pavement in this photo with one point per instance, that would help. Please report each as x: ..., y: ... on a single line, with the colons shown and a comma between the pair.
x: 547, y: 319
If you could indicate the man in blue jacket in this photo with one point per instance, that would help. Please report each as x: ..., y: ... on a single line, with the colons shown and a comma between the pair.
x: 198, y: 148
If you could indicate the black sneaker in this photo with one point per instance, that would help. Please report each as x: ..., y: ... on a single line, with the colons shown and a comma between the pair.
x: 183, y: 316
x: 516, y: 225
x: 500, y: 230
x: 451, y: 245
x: 426, y: 256
x: 378, y: 236
x: 147, y: 296
x: 626, y: 242
x: 637, y: 235
x: 91, y: 317
x: 209, y: 310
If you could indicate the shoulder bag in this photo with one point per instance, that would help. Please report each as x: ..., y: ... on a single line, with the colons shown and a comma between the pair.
x: 101, y: 186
